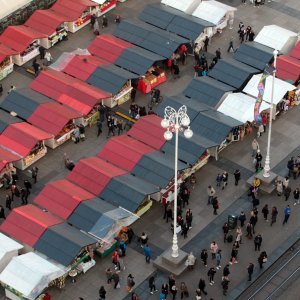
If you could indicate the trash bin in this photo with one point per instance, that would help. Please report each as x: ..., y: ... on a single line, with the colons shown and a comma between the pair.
x: 232, y: 221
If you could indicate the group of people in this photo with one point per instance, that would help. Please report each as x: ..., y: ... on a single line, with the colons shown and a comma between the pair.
x: 245, y: 33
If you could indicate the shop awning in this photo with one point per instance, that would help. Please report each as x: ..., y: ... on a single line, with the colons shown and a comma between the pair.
x: 45, y: 21
x: 207, y: 90
x: 72, y: 10
x: 157, y: 168
x: 29, y: 274
x: 214, y: 125
x: 110, y: 78
x: 22, y: 137
x: 296, y: 51
x: 280, y: 88
x: 124, y: 151
x: 254, y: 54
x: 232, y: 72
x: 276, y: 37
x: 9, y: 7
x: 27, y: 223
x: 173, y: 20
x: 288, y: 68
x: 93, y: 174
x: 240, y: 106
x: 149, y: 37
x: 62, y: 197
x: 63, y: 243
x: 6, y: 119
x: 19, y: 37
x: 5, y: 52
x: 128, y: 191
x: 7, y: 156
x: 149, y: 131
x: 68, y: 90
x: 187, y: 6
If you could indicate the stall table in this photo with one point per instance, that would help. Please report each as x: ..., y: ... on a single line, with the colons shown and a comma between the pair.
x: 6, y: 67
x: 150, y: 80
x: 104, y: 6
x: 62, y: 137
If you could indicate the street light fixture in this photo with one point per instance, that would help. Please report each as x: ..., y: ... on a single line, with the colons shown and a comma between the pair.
x: 175, y: 121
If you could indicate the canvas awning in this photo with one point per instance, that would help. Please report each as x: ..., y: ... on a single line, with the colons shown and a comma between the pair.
x: 5, y: 52
x: 7, y: 156
x: 124, y: 151
x: 62, y: 197
x: 207, y: 90
x: 93, y: 174
x: 63, y: 243
x: 296, y: 51
x: 27, y: 223
x: 9, y: 7
x: 288, y: 68
x: 6, y: 119
x: 254, y: 54
x: 280, y: 88
x: 187, y: 6
x: 232, y: 72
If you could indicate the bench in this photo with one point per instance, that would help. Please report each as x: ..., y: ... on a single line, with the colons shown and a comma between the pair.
x: 132, y: 120
x: 30, y: 70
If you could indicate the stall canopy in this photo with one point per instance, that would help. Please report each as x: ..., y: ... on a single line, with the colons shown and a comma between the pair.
x: 93, y: 174
x: 296, y: 51
x: 288, y: 68
x: 214, y: 125
x: 212, y: 11
x: 277, y: 38
x: 63, y: 243
x: 9, y: 249
x: 280, y: 88
x: 157, y: 168
x: 149, y: 37
x: 124, y: 151
x: 240, y: 106
x: 29, y: 274
x: 5, y: 52
x: 9, y: 7
x: 62, y: 197
x: 232, y: 72
x: 22, y: 137
x: 207, y: 90
x: 68, y: 90
x: 6, y: 119
x: 45, y: 21
x: 7, y: 156
x: 128, y: 191
x: 173, y: 20
x: 27, y: 223
x: 149, y: 131
x: 187, y: 6
x: 19, y: 37
x: 254, y: 54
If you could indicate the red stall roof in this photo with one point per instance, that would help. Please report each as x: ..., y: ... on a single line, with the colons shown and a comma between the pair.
x: 124, y: 151
x: 6, y: 157
x: 296, y: 51
x: 45, y: 21
x: 62, y: 197
x: 93, y: 174
x: 27, y: 223
x: 83, y: 66
x: 68, y: 90
x: 108, y: 47
x: 22, y: 137
x: 19, y: 37
x: 6, y: 51
x: 288, y: 68
x: 149, y: 131
x: 72, y: 9
x: 52, y: 117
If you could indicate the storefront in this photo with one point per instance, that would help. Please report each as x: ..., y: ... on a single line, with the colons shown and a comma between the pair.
x: 64, y: 135
x: 6, y: 62
x: 103, y: 6
x: 7, y: 168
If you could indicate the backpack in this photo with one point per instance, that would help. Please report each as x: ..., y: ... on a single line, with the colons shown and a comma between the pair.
x: 229, y: 238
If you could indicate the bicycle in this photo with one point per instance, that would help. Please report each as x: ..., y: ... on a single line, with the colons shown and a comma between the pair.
x: 155, y: 98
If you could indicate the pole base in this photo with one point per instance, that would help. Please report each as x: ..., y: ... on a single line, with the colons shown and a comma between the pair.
x: 267, y: 183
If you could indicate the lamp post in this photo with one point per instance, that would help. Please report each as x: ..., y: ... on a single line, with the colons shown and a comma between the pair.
x: 175, y: 121
x: 267, y: 168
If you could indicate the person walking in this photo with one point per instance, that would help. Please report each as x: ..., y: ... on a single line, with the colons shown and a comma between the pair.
x: 202, y: 285
x: 210, y: 193
x: 224, y: 179
x: 34, y: 174
x: 24, y: 196
x: 237, y: 176
x: 165, y: 290
x: 2, y: 213
x: 249, y: 231
x: 116, y: 279
x: 204, y: 256
x: 8, y: 201
x: 242, y: 218
x: 287, y: 213
x: 234, y: 253
x: 258, y: 160
x: 191, y: 260
x: 257, y: 242
x: 99, y: 128
x: 215, y: 204
x: 218, y: 180
x: 184, y: 290
x: 116, y: 260
x: 225, y: 285
x: 189, y: 218
x: 104, y: 22
x: 265, y: 212
x: 206, y: 42
x: 279, y: 188
x: 122, y: 247
x: 171, y: 281
x: 263, y: 258
x: 250, y: 270
x: 109, y: 277
x: 239, y: 234
x: 213, y: 249
x: 174, y: 291
x: 226, y: 271
x: 152, y: 285
x: 230, y: 47
x: 253, y: 221
x: 130, y: 283
x: 27, y: 185
x: 102, y: 293
x: 296, y: 196
x: 169, y: 213
x: 211, y: 274
x: 255, y: 147
x: 143, y: 239
x: 274, y: 214
x: 218, y: 259
x: 225, y: 231
x: 286, y: 192
x: 147, y: 252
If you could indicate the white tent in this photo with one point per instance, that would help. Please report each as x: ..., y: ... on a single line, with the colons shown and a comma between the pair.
x: 186, y: 6
x: 280, y: 88
x: 28, y: 275
x: 8, y: 6
x: 240, y: 106
x: 8, y: 249
x: 277, y: 38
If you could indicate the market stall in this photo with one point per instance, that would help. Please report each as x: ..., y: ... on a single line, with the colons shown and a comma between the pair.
x: 7, y: 169
x: 9, y: 249
x: 187, y: 6
x: 295, y: 51
x: 77, y: 15
x: 51, y: 24
x: 6, y: 62
x: 103, y: 6
x: 28, y: 275
x: 288, y: 68
x: 24, y: 40
x: 277, y: 38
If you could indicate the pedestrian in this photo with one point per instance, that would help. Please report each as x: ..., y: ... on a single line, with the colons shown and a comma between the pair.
x: 169, y: 213
x: 102, y: 293
x: 27, y: 185
x: 224, y: 179
x: 115, y: 260
x: 15, y: 191
x: 260, y: 130
x: 24, y: 196
x: 211, y: 274
x: 251, y: 36
x: 279, y: 187
x: 218, y: 53
x: 2, y: 213
x: 253, y: 220
x: 193, y: 181
x: 219, y: 180
x: 213, y: 249
x: 108, y: 273
x: 225, y: 285
x: 242, y: 218
x: 202, y: 285
x: 118, y: 19
x: 218, y: 259
x: 189, y: 218
x: 210, y: 193
x: 215, y: 204
x: 171, y: 281
x: 206, y: 42
x: 36, y: 67
x: 265, y: 212
x: 230, y: 47
x: 184, y: 229
x: 99, y: 127
x: 255, y: 147
x: 165, y: 290
x: 249, y: 231
x: 274, y: 214
x: 104, y: 22
x: 122, y: 247
x: 176, y: 71
x: 48, y: 58
x: 191, y: 260
x: 185, y: 196
x: 263, y: 258
x: 120, y: 127
x: 258, y: 159
x: 226, y: 271
x: 116, y: 279
x: 225, y: 231
x: 239, y: 234
x: 184, y: 290
x: 174, y: 291
x: 204, y: 256
x: 296, y: 196
x: 285, y: 182
x: 287, y: 213
x: 8, y: 201
x: 290, y: 165
x: 250, y: 270
x: 198, y: 294
x: 111, y: 129
x: 12, y: 88
x: 47, y: 296
x: 143, y: 239
x: 34, y: 174
x: 237, y: 176
x: 152, y: 285
x: 147, y: 252
x: 242, y: 35
x: 234, y: 253
x: 134, y: 296
x: 130, y: 283
x: 42, y: 50
x: 257, y: 242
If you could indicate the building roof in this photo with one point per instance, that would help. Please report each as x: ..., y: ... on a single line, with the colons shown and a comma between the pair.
x: 7, y: 156
x: 187, y: 6
x: 6, y: 119
x: 288, y: 68
x: 5, y: 52
x: 296, y: 51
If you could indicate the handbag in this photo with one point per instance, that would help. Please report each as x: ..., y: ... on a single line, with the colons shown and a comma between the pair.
x: 118, y: 285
